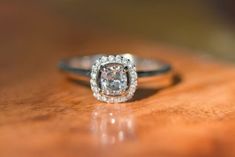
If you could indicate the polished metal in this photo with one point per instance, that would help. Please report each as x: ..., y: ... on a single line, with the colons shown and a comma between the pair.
x: 82, y: 65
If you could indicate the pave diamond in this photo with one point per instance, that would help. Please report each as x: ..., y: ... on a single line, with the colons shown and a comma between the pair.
x: 113, y: 79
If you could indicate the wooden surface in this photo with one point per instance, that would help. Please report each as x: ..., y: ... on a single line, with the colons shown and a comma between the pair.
x: 44, y: 114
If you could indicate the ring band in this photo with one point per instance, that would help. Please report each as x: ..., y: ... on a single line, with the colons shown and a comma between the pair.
x: 113, y: 78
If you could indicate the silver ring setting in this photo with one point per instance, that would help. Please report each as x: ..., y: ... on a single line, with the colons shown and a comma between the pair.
x: 113, y: 79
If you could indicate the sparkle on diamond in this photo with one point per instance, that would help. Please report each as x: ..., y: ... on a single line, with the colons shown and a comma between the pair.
x: 113, y: 79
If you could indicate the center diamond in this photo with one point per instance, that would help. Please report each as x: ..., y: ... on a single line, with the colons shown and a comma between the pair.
x: 113, y: 79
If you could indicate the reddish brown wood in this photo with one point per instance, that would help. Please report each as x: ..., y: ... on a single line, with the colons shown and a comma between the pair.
x: 44, y: 114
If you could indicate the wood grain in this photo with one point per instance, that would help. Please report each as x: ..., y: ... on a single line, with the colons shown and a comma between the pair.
x: 44, y: 114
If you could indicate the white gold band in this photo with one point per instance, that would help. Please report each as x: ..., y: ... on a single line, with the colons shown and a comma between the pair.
x: 113, y: 78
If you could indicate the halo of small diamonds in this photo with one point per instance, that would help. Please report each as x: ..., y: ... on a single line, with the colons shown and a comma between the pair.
x: 123, y: 73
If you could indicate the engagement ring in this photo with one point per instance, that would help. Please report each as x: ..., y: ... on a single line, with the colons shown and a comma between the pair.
x: 113, y: 78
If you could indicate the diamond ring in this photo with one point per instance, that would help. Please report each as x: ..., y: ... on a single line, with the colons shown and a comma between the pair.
x: 113, y: 78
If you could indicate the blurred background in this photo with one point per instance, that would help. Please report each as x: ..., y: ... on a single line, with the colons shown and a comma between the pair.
x: 204, y: 25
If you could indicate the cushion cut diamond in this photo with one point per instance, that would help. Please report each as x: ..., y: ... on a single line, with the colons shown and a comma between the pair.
x: 113, y: 79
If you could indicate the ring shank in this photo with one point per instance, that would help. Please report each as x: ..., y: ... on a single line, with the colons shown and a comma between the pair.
x: 82, y: 65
